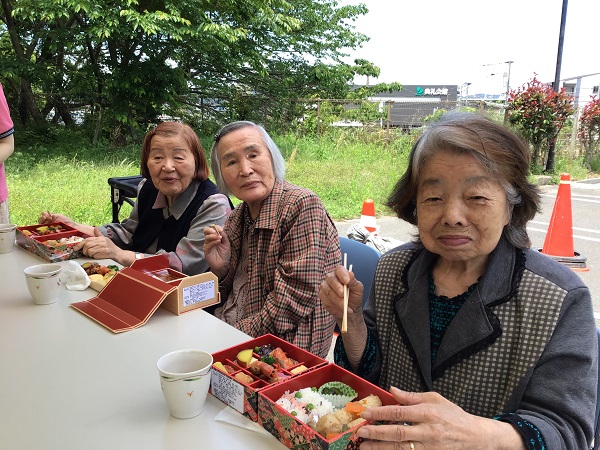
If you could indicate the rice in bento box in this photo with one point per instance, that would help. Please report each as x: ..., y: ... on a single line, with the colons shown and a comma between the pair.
x: 305, y: 404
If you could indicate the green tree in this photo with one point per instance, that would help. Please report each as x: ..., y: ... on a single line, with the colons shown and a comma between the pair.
x: 589, y: 130
x: 539, y: 113
x: 129, y: 61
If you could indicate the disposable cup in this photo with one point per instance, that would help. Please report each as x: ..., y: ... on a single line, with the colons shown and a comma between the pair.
x: 43, y: 282
x: 185, y: 379
x: 7, y: 237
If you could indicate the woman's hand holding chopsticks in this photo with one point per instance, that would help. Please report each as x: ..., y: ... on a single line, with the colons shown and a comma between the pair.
x: 332, y: 291
x: 331, y: 294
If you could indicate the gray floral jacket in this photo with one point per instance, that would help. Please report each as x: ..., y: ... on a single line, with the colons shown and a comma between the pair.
x: 523, y: 342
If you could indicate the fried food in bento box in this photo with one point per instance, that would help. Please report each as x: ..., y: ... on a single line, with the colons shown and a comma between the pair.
x: 99, y: 274
x: 347, y: 417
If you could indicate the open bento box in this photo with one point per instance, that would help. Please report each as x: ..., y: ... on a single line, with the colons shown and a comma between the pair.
x: 196, y: 291
x: 132, y: 295
x: 239, y: 387
x: 52, y: 242
x: 295, y: 434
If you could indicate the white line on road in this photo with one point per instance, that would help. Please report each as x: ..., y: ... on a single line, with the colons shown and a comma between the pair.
x: 585, y: 230
x: 583, y: 238
x: 579, y: 199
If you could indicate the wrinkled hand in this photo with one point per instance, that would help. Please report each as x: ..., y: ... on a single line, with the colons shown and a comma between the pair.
x: 99, y: 247
x: 47, y: 217
x: 331, y: 293
x: 430, y: 421
x: 217, y: 250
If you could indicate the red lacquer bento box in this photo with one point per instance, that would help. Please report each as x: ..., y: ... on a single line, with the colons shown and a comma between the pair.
x: 239, y: 387
x: 296, y: 435
x: 52, y: 242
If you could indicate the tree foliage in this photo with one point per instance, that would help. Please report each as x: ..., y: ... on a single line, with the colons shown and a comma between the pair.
x: 126, y: 62
x: 539, y: 113
x: 589, y: 130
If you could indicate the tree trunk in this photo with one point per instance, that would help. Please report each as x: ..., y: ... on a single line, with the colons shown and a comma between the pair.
x: 98, y: 126
x: 28, y: 105
x: 65, y: 113
x: 550, y: 160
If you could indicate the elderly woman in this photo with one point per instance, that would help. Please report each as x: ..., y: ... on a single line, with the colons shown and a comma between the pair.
x: 275, y: 247
x: 484, y: 342
x: 170, y: 211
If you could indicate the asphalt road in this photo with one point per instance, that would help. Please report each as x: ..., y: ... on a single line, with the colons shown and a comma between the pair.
x: 585, y: 207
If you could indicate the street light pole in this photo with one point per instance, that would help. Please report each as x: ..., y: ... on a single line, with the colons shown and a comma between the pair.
x: 508, y: 79
x: 561, y: 38
x: 556, y: 86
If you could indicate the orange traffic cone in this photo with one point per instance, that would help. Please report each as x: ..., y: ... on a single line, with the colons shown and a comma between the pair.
x: 559, y: 240
x: 367, y: 217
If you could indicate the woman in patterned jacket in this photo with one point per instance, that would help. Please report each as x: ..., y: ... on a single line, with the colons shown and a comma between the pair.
x: 275, y: 247
x: 484, y: 342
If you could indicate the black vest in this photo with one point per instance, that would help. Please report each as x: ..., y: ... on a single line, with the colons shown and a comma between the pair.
x: 169, y: 231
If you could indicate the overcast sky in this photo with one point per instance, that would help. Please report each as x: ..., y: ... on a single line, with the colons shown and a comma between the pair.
x: 460, y: 41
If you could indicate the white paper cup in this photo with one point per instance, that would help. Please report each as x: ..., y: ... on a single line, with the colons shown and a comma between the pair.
x: 185, y: 379
x: 8, y: 233
x: 43, y: 282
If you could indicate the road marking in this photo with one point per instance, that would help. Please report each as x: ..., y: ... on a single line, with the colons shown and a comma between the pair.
x: 585, y: 230
x: 597, y: 316
x: 583, y: 238
x: 579, y: 199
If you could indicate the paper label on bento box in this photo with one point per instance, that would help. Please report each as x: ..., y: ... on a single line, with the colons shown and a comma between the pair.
x: 197, y: 293
x: 227, y: 390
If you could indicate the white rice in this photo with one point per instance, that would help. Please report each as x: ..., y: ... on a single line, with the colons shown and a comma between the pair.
x: 306, y: 405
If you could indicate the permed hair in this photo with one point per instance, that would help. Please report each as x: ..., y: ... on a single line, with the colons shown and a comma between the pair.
x: 169, y: 129
x: 503, y: 155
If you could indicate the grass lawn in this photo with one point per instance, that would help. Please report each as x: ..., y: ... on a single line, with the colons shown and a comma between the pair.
x: 62, y: 172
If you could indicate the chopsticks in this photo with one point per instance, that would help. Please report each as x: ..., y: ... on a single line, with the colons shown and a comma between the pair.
x: 214, y: 227
x: 345, y: 314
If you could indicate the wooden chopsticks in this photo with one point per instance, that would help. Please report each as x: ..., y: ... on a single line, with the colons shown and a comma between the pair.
x: 344, y: 328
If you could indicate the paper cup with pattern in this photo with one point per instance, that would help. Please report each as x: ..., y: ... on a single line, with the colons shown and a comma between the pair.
x: 43, y: 282
x: 8, y: 232
x: 185, y: 379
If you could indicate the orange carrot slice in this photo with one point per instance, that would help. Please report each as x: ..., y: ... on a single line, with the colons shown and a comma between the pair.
x: 354, y: 408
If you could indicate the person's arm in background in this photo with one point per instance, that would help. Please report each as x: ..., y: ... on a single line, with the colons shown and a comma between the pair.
x: 7, y: 141
x: 188, y: 257
x: 7, y: 147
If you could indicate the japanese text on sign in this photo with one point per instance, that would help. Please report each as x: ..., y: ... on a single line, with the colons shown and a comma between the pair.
x: 198, y: 293
x: 227, y: 390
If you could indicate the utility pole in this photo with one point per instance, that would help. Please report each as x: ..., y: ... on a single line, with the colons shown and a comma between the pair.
x: 556, y: 86
x: 561, y: 39
x: 508, y: 79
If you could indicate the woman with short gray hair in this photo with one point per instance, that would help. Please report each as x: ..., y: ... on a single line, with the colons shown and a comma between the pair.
x: 478, y: 337
x: 275, y: 247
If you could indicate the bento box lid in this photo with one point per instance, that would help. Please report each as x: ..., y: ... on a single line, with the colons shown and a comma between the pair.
x: 127, y: 301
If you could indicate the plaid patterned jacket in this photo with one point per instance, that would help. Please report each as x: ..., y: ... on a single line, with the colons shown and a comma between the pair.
x: 524, y: 341
x: 293, y: 245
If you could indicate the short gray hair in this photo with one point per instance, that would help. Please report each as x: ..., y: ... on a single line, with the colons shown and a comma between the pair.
x: 276, y: 156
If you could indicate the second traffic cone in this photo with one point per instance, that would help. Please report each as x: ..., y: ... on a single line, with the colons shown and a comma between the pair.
x: 367, y: 217
x: 559, y: 240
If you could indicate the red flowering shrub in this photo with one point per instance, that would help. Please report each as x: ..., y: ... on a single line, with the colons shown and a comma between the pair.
x: 539, y: 113
x: 589, y: 129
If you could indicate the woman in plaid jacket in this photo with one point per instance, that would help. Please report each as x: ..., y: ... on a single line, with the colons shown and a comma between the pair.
x: 275, y: 247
